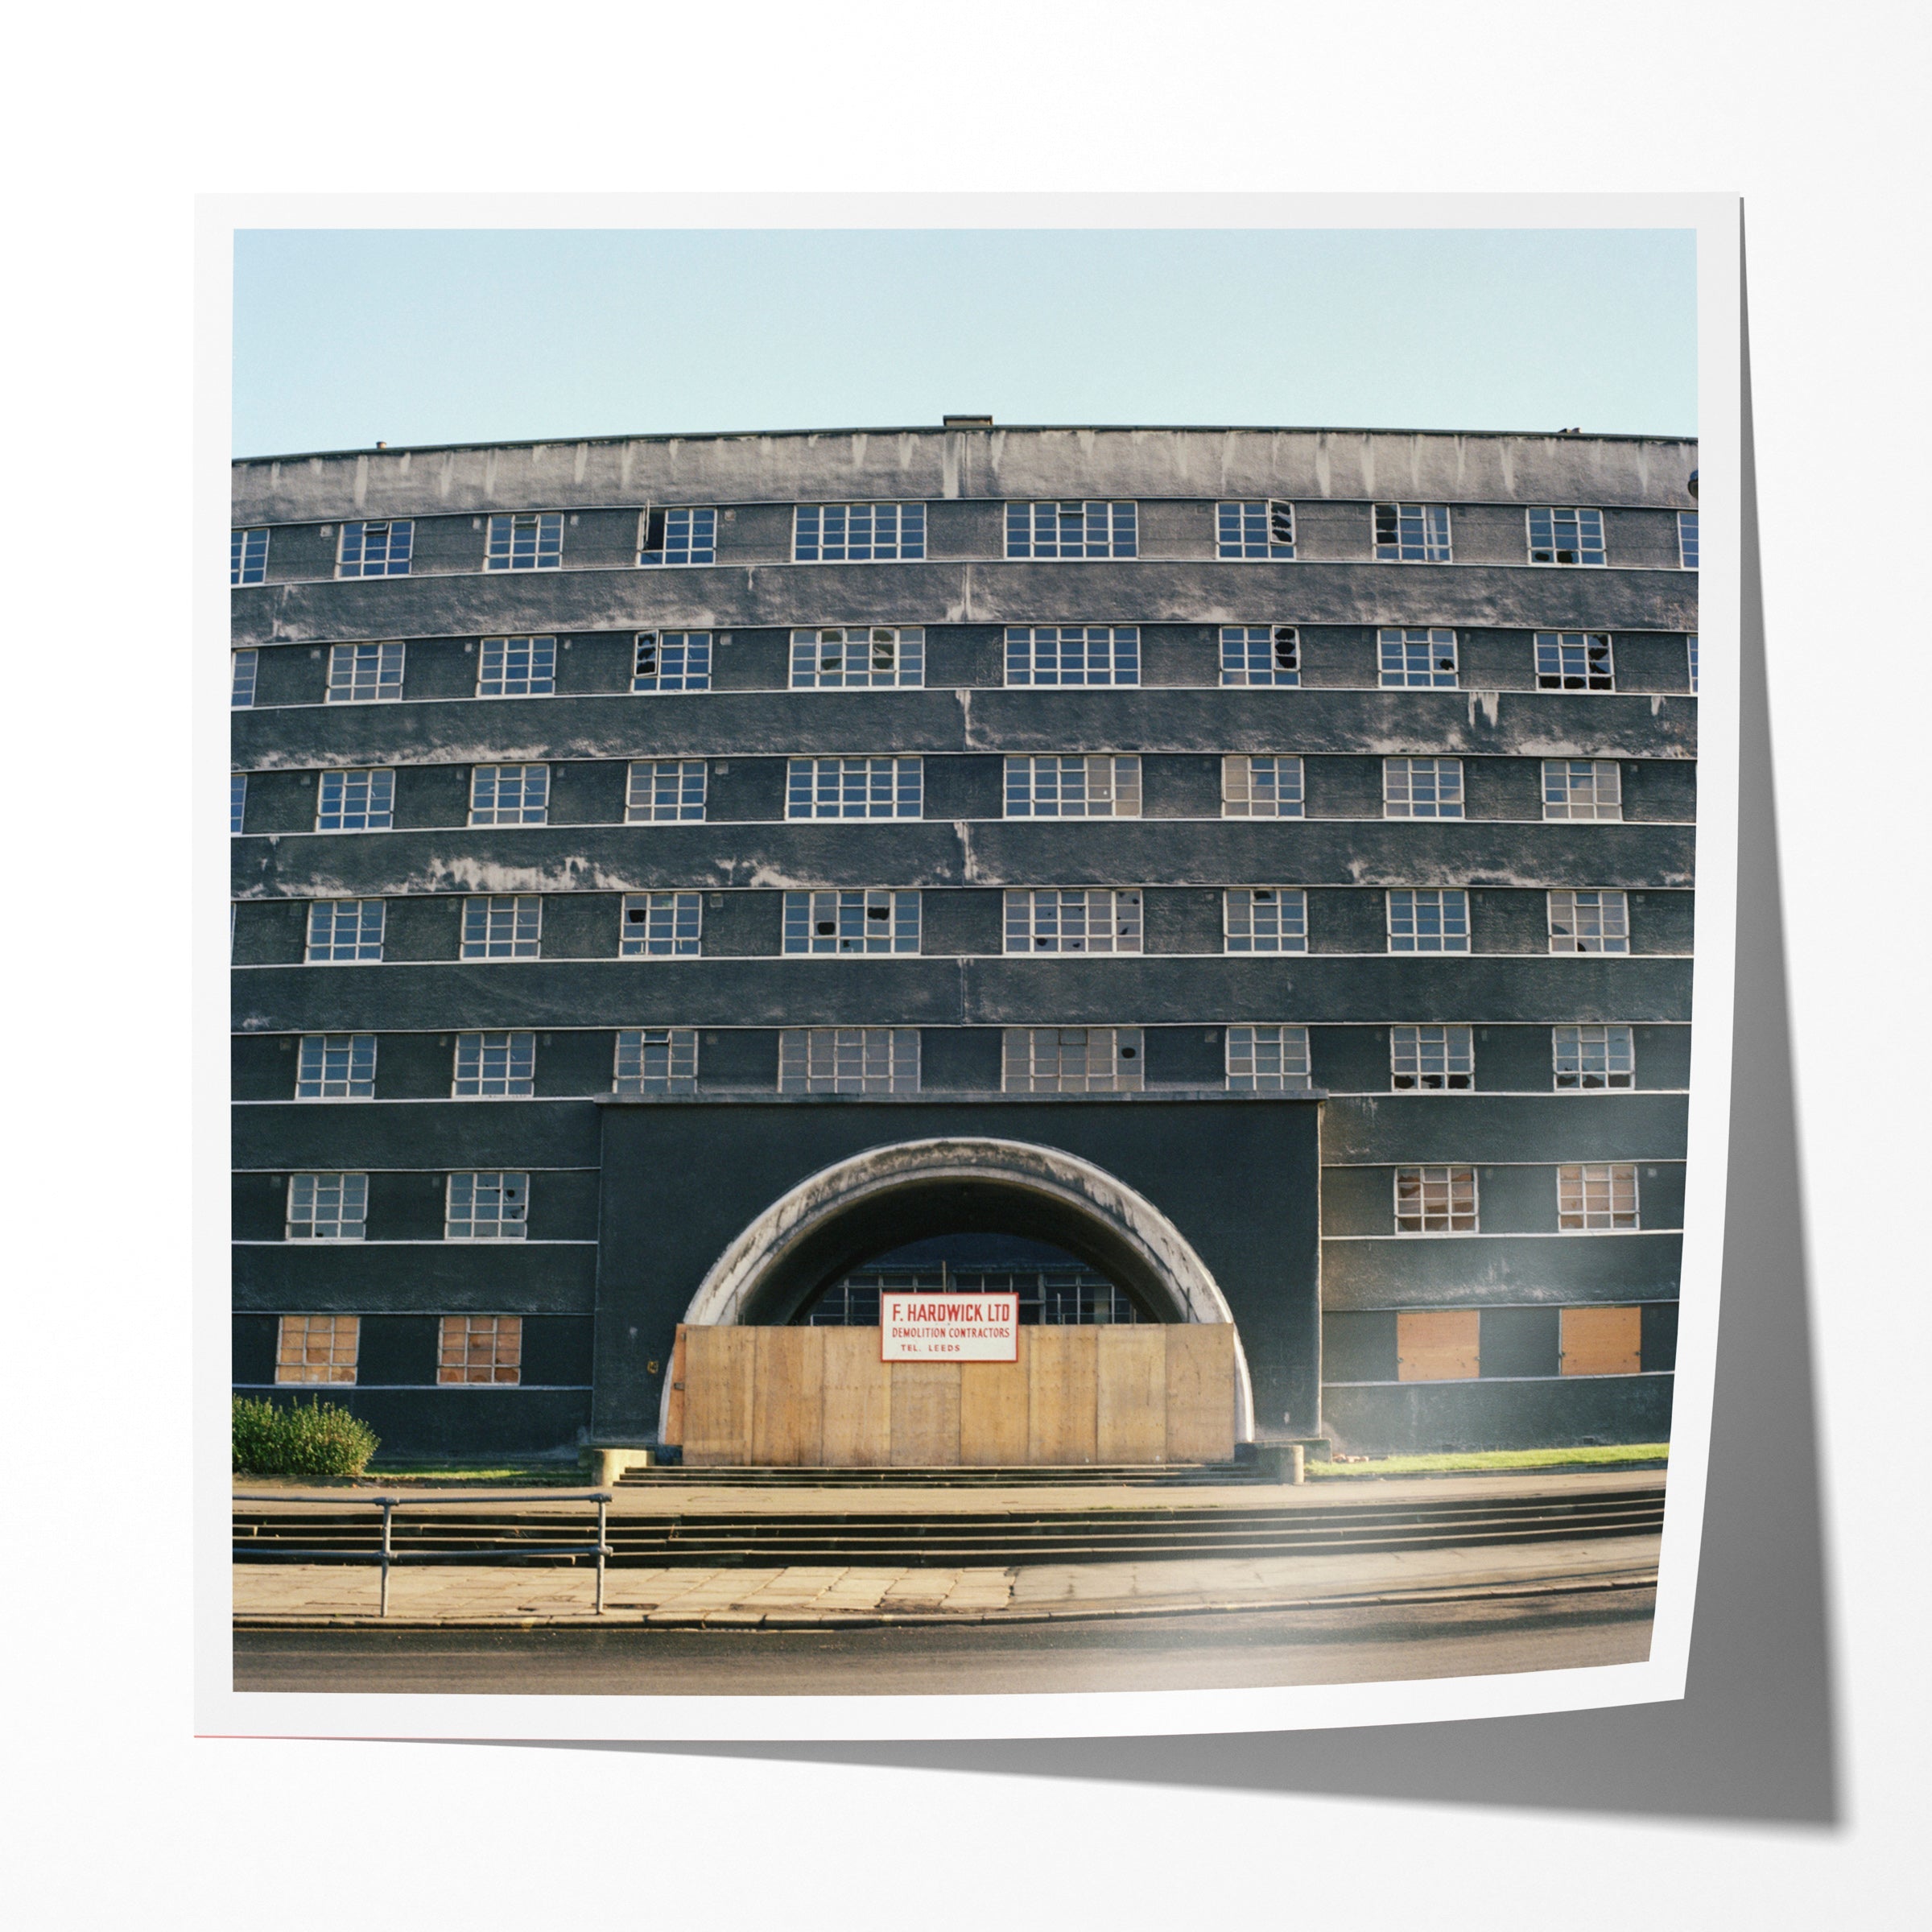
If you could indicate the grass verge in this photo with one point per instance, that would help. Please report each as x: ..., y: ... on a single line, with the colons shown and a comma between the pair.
x: 1607, y: 1455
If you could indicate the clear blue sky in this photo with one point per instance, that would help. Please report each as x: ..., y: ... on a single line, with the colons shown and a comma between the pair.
x: 346, y: 336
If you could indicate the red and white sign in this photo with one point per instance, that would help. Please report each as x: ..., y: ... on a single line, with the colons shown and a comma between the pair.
x: 927, y: 1326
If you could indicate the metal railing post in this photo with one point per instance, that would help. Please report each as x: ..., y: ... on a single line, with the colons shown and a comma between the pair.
x: 603, y: 1503
x: 389, y: 1505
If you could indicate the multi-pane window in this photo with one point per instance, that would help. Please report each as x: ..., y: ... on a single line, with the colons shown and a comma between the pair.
x: 1254, y: 532
x: 1071, y: 1059
x: 317, y: 1348
x: 848, y: 1060
x: 1412, y: 533
x: 355, y: 801
x: 854, y: 788
x: 502, y: 926
x: 1260, y: 653
x: 375, y: 550
x: 656, y: 1059
x: 510, y: 794
x: 1260, y: 787
x: 495, y: 1066
x: 1583, y: 788
x: 858, y: 533
x: 238, y: 801
x: 364, y: 674
x: 1268, y: 1060
x: 1686, y: 538
x: 1596, y: 1194
x: 842, y: 656
x: 344, y: 931
x: 326, y: 1206
x: 492, y: 1206
x: 517, y: 667
x: 1436, y: 1200
x: 1588, y: 1058
x: 1589, y: 921
x: 1422, y: 788
x: 1574, y: 660
x: 1266, y: 919
x: 671, y: 660
x: 1432, y: 919
x: 661, y: 925
x: 1410, y: 658
x: 247, y: 556
x: 1691, y: 642
x: 1433, y: 1059
x: 1073, y: 921
x: 241, y: 668
x: 852, y: 922
x: 1072, y: 530
x: 1073, y: 654
x: 526, y: 540
x: 335, y: 1067
x: 1566, y: 536
x: 482, y: 1349
x: 661, y: 790
x: 1095, y: 786
x: 677, y: 536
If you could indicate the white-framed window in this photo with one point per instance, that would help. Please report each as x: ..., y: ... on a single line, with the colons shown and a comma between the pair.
x: 494, y: 1067
x: 1574, y: 660
x: 661, y: 926
x: 845, y: 657
x: 335, y: 1067
x: 1260, y: 653
x: 1073, y: 654
x: 486, y: 1349
x: 1589, y: 1059
x: 1566, y: 536
x: 1264, y: 918
x: 1071, y: 1059
x: 1690, y: 644
x: 1260, y: 787
x: 858, y: 533
x: 364, y: 674
x: 1092, y: 785
x: 510, y: 794
x: 1429, y: 919
x: 524, y: 540
x: 1436, y: 1200
x: 1268, y: 1060
x: 1686, y: 538
x: 502, y: 926
x: 1254, y: 533
x: 1410, y: 659
x: 489, y: 1206
x: 854, y: 788
x: 517, y: 667
x: 852, y: 922
x: 1412, y: 533
x: 1596, y: 1194
x: 247, y: 556
x: 1583, y: 788
x: 1072, y: 530
x: 317, y: 1348
x: 671, y: 660
x: 237, y: 802
x: 344, y: 931
x: 1589, y: 921
x: 656, y: 1059
x: 848, y: 1060
x: 1080, y: 919
x: 326, y: 1206
x: 660, y: 792
x: 356, y: 801
x: 676, y: 537
x: 1422, y: 788
x: 375, y: 550
x: 242, y: 666
x: 1431, y: 1059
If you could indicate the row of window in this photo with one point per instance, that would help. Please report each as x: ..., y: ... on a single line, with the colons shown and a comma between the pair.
x: 1462, y: 1344
x: 891, y: 533
x: 471, y: 1349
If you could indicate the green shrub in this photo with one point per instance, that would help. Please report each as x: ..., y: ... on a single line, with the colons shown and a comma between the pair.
x: 311, y: 1438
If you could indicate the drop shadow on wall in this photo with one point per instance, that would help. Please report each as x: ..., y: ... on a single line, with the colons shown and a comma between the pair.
x: 1755, y: 1738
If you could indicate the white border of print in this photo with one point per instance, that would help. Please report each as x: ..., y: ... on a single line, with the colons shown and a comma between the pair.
x: 220, y: 1710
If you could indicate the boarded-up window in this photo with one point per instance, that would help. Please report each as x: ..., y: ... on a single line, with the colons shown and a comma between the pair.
x: 481, y: 1348
x: 1602, y: 1341
x: 316, y: 1348
x: 1437, y: 1345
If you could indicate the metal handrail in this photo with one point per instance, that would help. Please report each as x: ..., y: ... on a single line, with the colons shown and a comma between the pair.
x: 389, y: 1554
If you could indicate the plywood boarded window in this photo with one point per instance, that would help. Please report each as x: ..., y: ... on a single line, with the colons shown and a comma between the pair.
x: 1602, y: 1341
x: 1437, y: 1345
x: 317, y: 1348
x: 486, y: 1348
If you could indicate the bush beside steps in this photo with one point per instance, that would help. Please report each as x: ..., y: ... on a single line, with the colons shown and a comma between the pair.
x: 314, y: 1438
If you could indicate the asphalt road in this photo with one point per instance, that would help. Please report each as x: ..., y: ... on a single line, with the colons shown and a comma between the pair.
x: 1222, y: 1651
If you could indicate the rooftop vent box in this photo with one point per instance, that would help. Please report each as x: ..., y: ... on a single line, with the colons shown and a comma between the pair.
x: 966, y: 422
